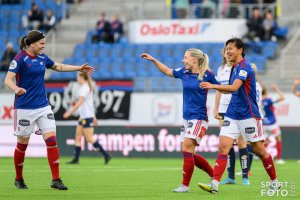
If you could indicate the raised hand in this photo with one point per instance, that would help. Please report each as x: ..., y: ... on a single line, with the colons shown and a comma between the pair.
x: 87, y: 68
x: 147, y: 56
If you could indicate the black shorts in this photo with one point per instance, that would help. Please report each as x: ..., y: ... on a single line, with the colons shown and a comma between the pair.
x: 221, y: 115
x: 86, y: 123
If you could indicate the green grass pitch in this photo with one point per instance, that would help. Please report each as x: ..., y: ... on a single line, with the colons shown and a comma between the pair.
x: 135, y: 178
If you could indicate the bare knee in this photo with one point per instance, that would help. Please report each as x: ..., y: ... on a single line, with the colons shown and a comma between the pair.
x: 189, y: 145
x: 259, y: 149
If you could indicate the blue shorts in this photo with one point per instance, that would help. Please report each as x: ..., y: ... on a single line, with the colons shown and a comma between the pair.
x: 86, y: 123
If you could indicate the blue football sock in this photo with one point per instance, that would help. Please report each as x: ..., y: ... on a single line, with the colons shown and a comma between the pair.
x: 250, y: 158
x: 77, y: 151
x: 244, y: 161
x: 231, y: 164
x: 98, y: 146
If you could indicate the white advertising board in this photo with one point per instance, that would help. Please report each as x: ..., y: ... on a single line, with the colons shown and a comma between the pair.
x: 190, y: 30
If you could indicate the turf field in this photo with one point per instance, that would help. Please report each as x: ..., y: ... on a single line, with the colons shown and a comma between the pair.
x: 133, y: 178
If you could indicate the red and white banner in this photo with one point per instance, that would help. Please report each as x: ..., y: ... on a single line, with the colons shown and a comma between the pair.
x: 180, y: 31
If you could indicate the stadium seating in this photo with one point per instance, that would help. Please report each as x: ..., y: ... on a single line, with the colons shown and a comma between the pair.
x: 10, y: 19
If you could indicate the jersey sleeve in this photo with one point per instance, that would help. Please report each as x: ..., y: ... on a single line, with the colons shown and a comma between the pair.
x: 49, y: 62
x: 14, y: 66
x: 243, y: 72
x: 209, y: 76
x: 178, y: 73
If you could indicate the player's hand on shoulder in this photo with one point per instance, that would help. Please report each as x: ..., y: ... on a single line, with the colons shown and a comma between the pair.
x: 20, y: 91
x: 147, y: 56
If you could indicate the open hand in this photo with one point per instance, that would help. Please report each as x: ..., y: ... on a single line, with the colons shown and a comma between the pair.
x: 206, y: 85
x: 86, y: 68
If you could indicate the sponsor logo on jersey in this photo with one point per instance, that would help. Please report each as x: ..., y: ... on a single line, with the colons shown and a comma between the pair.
x: 24, y: 122
x: 13, y: 65
x: 177, y: 69
x: 243, y: 73
x: 226, y: 123
x: 41, y: 63
x: 50, y: 116
x: 250, y: 130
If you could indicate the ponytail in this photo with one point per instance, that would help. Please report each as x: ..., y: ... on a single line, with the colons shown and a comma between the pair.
x: 87, y: 78
x: 22, y: 43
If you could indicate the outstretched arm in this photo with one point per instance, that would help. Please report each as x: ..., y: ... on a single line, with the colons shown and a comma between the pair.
x: 223, y: 88
x: 163, y: 68
x: 278, y: 91
x: 70, y: 68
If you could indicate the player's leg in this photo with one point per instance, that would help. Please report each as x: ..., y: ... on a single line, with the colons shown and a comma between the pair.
x: 24, y: 123
x: 250, y: 158
x: 231, y: 159
x: 19, y: 157
x: 47, y: 125
x: 243, y: 152
x: 88, y: 133
x: 276, y: 132
x: 192, y: 131
x: 77, y: 146
x: 229, y: 132
x: 199, y: 160
x: 252, y: 131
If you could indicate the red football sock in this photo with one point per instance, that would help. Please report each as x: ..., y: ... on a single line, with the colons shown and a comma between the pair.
x: 202, y: 163
x: 220, y: 166
x: 53, y: 156
x: 269, y: 167
x: 19, y: 158
x: 279, y: 149
x: 188, y: 168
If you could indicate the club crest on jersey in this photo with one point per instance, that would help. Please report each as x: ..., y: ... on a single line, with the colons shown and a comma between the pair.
x: 243, y: 73
x: 13, y: 65
x: 190, y: 124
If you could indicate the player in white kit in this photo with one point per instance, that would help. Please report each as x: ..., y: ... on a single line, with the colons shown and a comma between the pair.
x: 87, y: 119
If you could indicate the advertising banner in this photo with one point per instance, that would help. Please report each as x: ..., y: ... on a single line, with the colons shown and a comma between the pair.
x: 188, y: 30
x: 126, y: 141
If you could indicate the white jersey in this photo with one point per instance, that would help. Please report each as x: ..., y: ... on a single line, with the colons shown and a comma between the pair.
x: 223, y: 76
x: 86, y: 110
x: 259, y: 99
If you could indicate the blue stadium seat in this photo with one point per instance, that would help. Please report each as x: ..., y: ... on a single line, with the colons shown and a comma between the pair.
x: 140, y: 83
x: 142, y: 68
